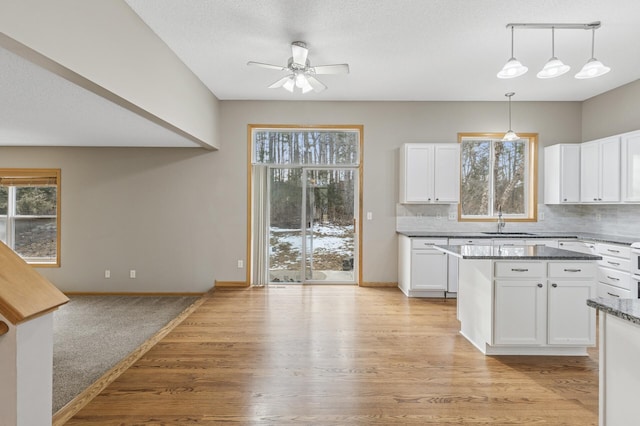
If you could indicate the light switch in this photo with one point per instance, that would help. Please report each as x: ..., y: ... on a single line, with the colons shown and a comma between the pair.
x: 369, y: 215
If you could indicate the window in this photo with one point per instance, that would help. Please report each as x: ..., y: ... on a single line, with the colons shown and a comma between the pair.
x: 30, y: 214
x: 498, y: 175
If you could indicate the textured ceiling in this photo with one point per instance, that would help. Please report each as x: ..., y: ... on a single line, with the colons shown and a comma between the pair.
x: 418, y: 50
x: 406, y: 50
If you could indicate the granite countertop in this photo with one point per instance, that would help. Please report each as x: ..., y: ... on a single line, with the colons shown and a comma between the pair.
x: 626, y: 309
x: 585, y: 236
x: 514, y: 252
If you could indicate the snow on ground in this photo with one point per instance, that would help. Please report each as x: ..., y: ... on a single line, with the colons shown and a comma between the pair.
x: 338, y: 239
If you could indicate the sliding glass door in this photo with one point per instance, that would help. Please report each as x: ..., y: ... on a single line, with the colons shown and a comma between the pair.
x: 312, y: 214
x: 305, y: 204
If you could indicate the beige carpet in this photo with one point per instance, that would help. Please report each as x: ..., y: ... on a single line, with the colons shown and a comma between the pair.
x: 91, y: 334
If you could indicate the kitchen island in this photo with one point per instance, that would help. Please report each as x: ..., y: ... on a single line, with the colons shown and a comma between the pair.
x: 619, y: 354
x: 525, y: 300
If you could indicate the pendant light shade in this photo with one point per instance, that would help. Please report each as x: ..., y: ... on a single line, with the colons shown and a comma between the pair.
x: 513, y: 68
x: 554, y: 67
x: 510, y: 135
x: 593, y: 67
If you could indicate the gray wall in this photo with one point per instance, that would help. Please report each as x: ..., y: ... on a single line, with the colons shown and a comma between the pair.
x: 178, y: 216
x: 613, y: 112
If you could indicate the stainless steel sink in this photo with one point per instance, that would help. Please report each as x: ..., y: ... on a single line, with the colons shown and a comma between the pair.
x: 507, y: 233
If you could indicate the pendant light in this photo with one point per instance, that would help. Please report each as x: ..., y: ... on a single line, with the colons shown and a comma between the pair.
x: 510, y: 135
x: 554, y: 67
x: 513, y: 68
x: 593, y: 67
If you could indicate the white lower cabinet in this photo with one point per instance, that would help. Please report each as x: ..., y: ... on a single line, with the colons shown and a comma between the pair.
x: 571, y: 321
x: 428, y: 269
x: 422, y: 270
x: 579, y: 246
x: 614, y: 278
x: 520, y: 312
x: 544, y: 303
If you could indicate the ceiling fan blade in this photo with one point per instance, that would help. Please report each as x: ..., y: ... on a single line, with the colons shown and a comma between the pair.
x: 330, y: 69
x: 268, y: 66
x: 299, y: 52
x: 280, y: 82
x: 317, y: 85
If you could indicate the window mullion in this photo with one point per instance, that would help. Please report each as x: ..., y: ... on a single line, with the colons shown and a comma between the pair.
x: 491, y: 182
x: 11, y: 214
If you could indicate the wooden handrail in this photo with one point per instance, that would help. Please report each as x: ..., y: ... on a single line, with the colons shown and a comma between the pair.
x: 4, y: 328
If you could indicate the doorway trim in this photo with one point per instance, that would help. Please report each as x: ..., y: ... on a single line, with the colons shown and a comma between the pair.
x: 250, y: 127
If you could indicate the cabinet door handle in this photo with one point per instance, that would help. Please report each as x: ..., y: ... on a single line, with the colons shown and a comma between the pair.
x: 613, y: 251
x: 519, y: 269
x: 554, y: 285
x: 611, y: 294
x: 613, y: 263
x: 572, y: 270
x: 540, y: 285
x: 613, y: 278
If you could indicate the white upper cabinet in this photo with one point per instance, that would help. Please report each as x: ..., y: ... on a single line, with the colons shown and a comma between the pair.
x: 429, y: 173
x: 600, y: 171
x: 630, y: 147
x: 562, y: 174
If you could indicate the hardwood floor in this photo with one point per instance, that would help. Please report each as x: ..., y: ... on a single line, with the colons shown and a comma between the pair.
x: 337, y: 355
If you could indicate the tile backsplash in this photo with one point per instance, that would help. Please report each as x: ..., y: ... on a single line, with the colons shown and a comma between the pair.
x: 613, y: 219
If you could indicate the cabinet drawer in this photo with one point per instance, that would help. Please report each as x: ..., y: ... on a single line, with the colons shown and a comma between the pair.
x: 520, y: 269
x: 606, y: 290
x: 615, y: 263
x: 469, y: 241
x: 426, y: 243
x: 613, y: 250
x: 572, y: 270
x: 614, y: 278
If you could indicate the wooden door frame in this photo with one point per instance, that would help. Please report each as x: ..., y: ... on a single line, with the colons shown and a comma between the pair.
x: 250, y: 128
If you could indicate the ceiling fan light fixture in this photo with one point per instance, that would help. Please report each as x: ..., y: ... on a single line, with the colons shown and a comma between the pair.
x: 301, y: 72
x: 289, y: 85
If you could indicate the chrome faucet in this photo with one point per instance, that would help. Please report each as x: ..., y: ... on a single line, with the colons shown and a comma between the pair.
x: 501, y: 223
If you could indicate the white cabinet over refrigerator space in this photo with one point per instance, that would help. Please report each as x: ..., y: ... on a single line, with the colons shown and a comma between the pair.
x: 429, y: 173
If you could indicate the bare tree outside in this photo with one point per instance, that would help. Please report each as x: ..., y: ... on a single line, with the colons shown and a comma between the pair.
x: 321, y: 167
x: 493, y: 177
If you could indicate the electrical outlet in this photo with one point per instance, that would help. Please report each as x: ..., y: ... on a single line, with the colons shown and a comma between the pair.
x: 541, y: 216
x: 598, y: 217
x: 240, y: 264
x: 369, y: 215
x: 107, y: 273
x: 439, y: 216
x: 132, y: 273
x: 452, y: 216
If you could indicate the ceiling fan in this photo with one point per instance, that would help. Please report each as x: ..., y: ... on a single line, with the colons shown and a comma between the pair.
x: 302, y: 74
